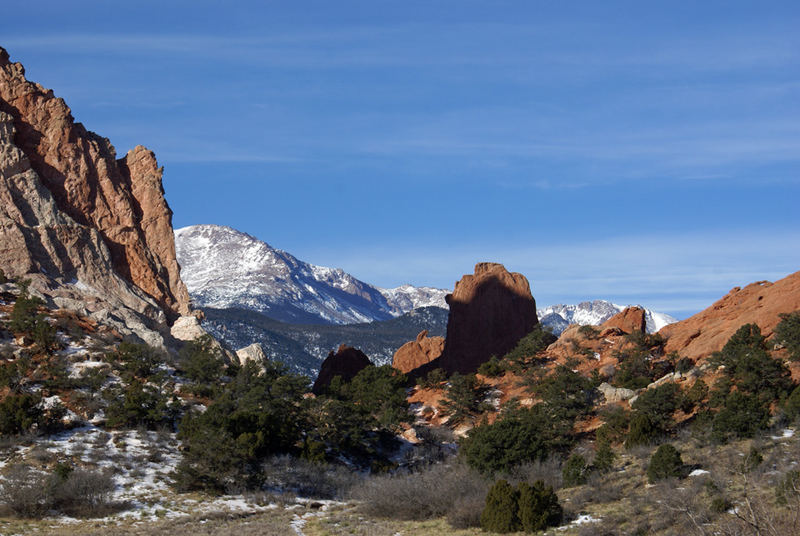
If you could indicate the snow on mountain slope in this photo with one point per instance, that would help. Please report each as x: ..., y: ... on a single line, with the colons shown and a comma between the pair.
x: 225, y: 268
x: 594, y: 313
x: 406, y: 297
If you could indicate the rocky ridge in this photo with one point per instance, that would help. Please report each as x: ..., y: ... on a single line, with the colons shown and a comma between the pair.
x: 759, y: 303
x: 92, y: 232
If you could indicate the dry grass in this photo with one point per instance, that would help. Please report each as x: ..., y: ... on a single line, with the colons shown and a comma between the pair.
x: 272, y: 523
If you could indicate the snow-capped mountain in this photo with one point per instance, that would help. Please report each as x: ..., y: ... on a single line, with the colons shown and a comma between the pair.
x: 225, y: 268
x: 594, y: 313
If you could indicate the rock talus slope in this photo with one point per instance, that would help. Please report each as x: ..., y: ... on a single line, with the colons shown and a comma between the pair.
x: 90, y: 230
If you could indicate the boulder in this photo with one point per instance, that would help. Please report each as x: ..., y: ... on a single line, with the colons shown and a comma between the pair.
x: 630, y: 320
x: 419, y: 352
x: 346, y: 362
x: 615, y: 394
x: 254, y: 352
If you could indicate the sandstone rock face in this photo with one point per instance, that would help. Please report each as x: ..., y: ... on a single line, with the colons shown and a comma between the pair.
x: 254, y: 352
x: 632, y: 319
x: 346, y: 362
x: 490, y: 312
x: 96, y: 210
x: 708, y: 331
x: 416, y: 353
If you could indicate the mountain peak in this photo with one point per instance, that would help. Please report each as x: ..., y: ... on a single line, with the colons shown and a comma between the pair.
x: 226, y: 268
x: 594, y: 313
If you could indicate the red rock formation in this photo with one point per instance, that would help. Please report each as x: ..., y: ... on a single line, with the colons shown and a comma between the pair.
x: 123, y: 200
x: 416, y: 353
x: 346, y: 362
x: 490, y: 312
x: 629, y: 320
x: 759, y: 303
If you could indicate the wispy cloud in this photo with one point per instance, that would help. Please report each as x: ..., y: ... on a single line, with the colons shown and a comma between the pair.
x: 673, y: 273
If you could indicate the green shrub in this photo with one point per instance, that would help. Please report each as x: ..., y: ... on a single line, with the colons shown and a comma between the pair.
x: 659, y: 404
x: 741, y: 416
x: 501, y: 511
x: 792, y: 404
x: 433, y: 380
x: 684, y: 365
x: 203, y: 363
x: 14, y: 374
x: 139, y: 404
x: 645, y: 341
x: 751, y: 368
x: 531, y: 508
x: 787, y: 334
x: 492, y: 368
x: 538, y: 507
x: 24, y: 315
x: 137, y: 360
x: 604, y: 457
x: 695, y: 396
x: 566, y: 395
x: 615, y: 426
x: 19, y: 412
x: 720, y: 504
x: 520, y: 436
x: 258, y: 414
x: 463, y: 398
x: 378, y: 394
x: 574, y: 471
x: 666, y: 462
x: 590, y: 332
x: 643, y: 431
x: 634, y: 371
x: 531, y: 344
x: 43, y: 334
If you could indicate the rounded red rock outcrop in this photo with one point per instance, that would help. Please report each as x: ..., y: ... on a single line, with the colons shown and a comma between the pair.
x: 346, y: 362
x: 417, y: 353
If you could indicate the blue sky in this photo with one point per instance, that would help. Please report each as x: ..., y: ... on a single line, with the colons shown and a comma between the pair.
x: 641, y: 152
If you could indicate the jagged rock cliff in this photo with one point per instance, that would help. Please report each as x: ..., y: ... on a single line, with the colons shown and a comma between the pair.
x: 92, y: 232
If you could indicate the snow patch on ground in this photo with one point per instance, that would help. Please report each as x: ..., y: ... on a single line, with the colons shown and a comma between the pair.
x: 786, y: 434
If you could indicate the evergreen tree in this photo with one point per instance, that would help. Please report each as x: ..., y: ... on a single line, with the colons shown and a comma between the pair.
x: 501, y: 511
x: 574, y: 471
x: 787, y: 334
x: 666, y: 462
x: 538, y: 507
